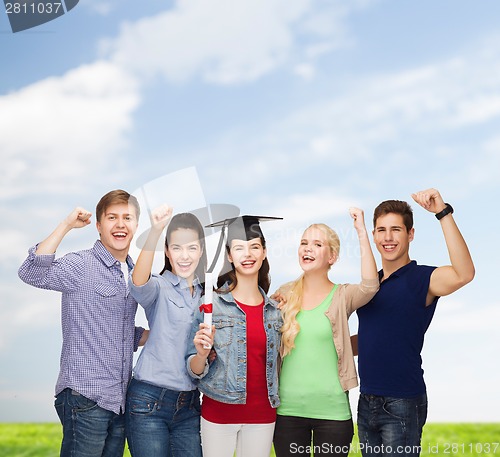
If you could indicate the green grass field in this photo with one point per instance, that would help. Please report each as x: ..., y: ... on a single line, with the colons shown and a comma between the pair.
x: 446, y: 440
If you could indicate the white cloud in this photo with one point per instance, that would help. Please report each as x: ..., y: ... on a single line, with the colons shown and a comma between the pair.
x: 459, y: 318
x: 387, y: 120
x: 100, y: 7
x: 228, y: 42
x: 65, y: 129
x: 10, y: 241
x: 306, y: 71
x: 24, y: 309
x: 485, y: 166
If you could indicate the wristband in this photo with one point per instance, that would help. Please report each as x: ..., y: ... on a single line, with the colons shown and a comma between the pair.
x: 447, y: 210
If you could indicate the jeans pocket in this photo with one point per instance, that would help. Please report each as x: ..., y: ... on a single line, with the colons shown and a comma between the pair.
x: 421, y: 413
x: 397, y: 408
x: 79, y: 403
x: 141, y: 406
x: 59, y: 405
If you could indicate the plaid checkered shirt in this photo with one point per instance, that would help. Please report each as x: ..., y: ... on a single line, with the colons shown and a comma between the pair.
x: 98, y: 316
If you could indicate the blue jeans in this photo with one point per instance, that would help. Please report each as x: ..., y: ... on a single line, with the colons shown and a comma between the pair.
x: 391, y: 426
x: 162, y: 422
x: 88, y: 429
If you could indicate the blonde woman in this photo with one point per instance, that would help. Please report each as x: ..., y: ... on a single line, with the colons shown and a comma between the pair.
x: 318, y: 364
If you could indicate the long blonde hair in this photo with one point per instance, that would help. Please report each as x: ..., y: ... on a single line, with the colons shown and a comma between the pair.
x: 294, y: 291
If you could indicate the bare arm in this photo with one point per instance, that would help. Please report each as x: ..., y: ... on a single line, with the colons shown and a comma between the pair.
x: 159, y: 220
x: 144, y: 337
x: 354, y: 344
x: 78, y: 218
x: 447, y: 279
x: 368, y: 265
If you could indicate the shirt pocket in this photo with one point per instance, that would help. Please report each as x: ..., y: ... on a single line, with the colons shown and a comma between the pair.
x: 224, y: 332
x: 107, y: 296
x: 178, y: 311
x: 105, y: 289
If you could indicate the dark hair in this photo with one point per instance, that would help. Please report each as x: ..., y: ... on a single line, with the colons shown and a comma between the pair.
x: 397, y: 207
x: 115, y: 197
x: 264, y: 279
x: 187, y: 221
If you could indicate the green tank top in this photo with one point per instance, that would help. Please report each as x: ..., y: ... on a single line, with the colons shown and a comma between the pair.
x: 309, y: 381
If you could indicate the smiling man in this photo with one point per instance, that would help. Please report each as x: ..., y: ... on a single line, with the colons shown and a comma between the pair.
x: 98, y: 315
x: 392, y: 405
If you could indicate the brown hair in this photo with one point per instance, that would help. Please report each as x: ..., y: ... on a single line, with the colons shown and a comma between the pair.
x: 264, y: 278
x: 115, y: 197
x: 191, y: 222
x: 397, y: 207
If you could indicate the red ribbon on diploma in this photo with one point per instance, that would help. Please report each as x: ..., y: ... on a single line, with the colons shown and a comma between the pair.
x: 206, y: 307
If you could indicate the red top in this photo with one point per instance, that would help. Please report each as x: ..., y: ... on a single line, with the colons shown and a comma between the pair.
x: 257, y: 409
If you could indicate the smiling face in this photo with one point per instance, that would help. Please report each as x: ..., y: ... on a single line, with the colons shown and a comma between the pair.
x: 392, y: 239
x: 247, y: 256
x: 117, y: 226
x: 315, y: 252
x: 184, y: 252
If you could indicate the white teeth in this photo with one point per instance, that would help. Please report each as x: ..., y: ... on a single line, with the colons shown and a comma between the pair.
x: 308, y: 257
x: 120, y: 234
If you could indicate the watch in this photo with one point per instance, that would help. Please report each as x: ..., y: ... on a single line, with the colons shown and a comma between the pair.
x: 448, y: 209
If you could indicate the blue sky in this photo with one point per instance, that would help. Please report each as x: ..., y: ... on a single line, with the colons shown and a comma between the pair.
x: 293, y: 108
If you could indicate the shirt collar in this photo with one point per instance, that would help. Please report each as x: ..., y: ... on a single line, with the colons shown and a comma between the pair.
x: 228, y: 297
x: 178, y: 281
x: 399, y: 272
x: 107, y: 258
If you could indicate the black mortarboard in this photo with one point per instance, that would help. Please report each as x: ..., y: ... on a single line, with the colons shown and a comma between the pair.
x: 239, y: 228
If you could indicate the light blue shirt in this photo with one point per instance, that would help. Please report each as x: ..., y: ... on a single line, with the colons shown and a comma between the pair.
x: 169, y: 308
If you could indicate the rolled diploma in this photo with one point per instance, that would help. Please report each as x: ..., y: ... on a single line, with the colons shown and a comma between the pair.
x: 207, y: 300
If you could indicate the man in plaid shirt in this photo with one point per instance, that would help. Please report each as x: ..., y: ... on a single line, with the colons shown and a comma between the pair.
x: 98, y: 324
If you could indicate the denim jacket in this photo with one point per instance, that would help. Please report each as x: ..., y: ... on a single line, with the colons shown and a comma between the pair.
x: 225, y: 378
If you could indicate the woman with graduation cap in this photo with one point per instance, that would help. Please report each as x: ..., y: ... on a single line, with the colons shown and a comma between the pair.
x: 240, y: 386
x: 318, y: 364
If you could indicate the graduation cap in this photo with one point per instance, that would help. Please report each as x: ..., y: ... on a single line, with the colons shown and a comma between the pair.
x: 238, y: 228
